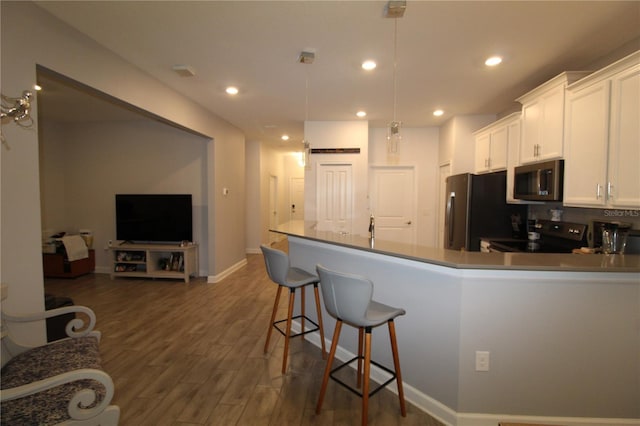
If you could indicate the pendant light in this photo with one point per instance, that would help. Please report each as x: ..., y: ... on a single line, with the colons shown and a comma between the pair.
x: 306, y: 58
x: 395, y: 10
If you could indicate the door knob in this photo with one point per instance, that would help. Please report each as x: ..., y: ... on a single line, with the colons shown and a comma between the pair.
x: 408, y: 223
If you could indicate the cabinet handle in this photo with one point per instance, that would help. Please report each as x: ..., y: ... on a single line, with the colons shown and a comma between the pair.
x: 598, y: 191
x: 609, y: 190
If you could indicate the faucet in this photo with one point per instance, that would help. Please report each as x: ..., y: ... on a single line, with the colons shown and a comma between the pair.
x: 372, y: 227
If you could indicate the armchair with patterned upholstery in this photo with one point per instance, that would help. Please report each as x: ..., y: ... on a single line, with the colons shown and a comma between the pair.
x: 61, y: 382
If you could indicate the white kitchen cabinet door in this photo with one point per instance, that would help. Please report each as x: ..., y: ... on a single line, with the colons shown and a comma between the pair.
x: 531, y: 123
x: 513, y: 157
x: 586, y: 146
x: 542, y: 132
x: 483, y: 152
x: 624, y: 140
x: 552, y: 129
x: 498, y: 155
x: 543, y: 119
x: 491, y: 149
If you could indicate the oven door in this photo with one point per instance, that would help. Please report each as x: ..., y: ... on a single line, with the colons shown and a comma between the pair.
x: 512, y: 246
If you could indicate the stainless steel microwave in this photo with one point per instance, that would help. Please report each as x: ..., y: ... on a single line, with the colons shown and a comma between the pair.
x: 539, y: 182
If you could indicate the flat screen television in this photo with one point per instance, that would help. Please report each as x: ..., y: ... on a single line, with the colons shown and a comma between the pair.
x: 154, y: 218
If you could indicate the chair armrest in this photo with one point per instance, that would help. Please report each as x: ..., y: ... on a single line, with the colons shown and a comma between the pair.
x: 72, y: 326
x: 77, y: 406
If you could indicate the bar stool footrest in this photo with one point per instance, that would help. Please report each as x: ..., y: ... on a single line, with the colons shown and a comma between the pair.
x: 355, y: 390
x: 316, y: 327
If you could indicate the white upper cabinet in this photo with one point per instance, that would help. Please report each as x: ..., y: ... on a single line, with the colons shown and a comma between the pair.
x: 624, y: 139
x: 514, y: 129
x: 491, y: 147
x: 483, y: 151
x: 587, y: 145
x: 543, y: 119
x: 602, y: 140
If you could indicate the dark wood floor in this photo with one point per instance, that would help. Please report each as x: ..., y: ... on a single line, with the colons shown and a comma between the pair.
x: 192, y: 354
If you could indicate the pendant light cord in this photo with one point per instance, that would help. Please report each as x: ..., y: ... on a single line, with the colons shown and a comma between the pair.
x: 395, y: 65
x: 306, y: 96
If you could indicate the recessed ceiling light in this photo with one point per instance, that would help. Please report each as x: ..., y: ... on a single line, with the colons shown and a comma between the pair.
x: 231, y: 90
x: 285, y: 137
x: 438, y: 112
x: 361, y: 114
x: 37, y: 87
x: 493, y: 61
x: 369, y: 65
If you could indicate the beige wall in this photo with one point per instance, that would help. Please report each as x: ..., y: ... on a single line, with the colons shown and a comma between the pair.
x: 83, y: 166
x: 339, y: 134
x: 457, y: 144
x: 419, y: 148
x: 254, y: 224
x: 58, y: 47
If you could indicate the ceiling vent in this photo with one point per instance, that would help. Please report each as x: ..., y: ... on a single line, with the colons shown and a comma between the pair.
x: 184, y: 70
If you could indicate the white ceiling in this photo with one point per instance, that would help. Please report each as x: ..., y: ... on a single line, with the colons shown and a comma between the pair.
x: 442, y: 45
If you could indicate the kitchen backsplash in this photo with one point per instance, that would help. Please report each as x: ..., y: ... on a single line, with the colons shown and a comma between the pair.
x: 585, y: 216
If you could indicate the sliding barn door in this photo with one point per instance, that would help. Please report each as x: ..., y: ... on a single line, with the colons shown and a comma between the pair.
x: 335, y: 197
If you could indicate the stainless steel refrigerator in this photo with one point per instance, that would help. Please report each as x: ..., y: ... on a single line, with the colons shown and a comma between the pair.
x: 476, y: 208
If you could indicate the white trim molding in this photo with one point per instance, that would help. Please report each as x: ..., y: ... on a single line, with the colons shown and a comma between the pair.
x: 212, y: 279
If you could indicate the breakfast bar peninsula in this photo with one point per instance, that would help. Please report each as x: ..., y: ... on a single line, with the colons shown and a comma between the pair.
x: 561, y: 331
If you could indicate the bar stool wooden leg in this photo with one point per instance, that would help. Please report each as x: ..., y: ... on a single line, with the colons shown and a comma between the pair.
x: 273, y: 318
x: 320, y: 326
x: 292, y: 297
x: 396, y: 364
x: 302, y: 312
x: 360, y: 343
x: 367, y: 372
x: 327, y: 369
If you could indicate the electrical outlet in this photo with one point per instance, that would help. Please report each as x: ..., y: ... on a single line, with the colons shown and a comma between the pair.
x: 482, y: 360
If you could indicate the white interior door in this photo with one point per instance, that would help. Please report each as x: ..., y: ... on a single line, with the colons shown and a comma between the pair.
x: 335, y: 197
x: 273, y: 206
x: 445, y: 171
x: 393, y: 203
x: 296, y: 199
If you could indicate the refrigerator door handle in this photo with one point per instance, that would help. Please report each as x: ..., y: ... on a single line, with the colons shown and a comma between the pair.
x: 450, y: 212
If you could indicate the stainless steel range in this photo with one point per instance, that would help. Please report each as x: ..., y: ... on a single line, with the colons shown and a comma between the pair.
x: 554, y: 237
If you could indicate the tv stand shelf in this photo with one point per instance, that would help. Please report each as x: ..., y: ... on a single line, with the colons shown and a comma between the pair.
x: 154, y: 261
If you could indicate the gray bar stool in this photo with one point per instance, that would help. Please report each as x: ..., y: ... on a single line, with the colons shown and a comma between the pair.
x: 347, y: 297
x: 280, y: 272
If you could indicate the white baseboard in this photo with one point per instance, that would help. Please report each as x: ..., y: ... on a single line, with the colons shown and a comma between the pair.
x: 479, y: 419
x: 212, y: 279
x: 450, y: 417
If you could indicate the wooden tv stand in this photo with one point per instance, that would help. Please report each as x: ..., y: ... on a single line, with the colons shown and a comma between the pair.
x: 154, y: 261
